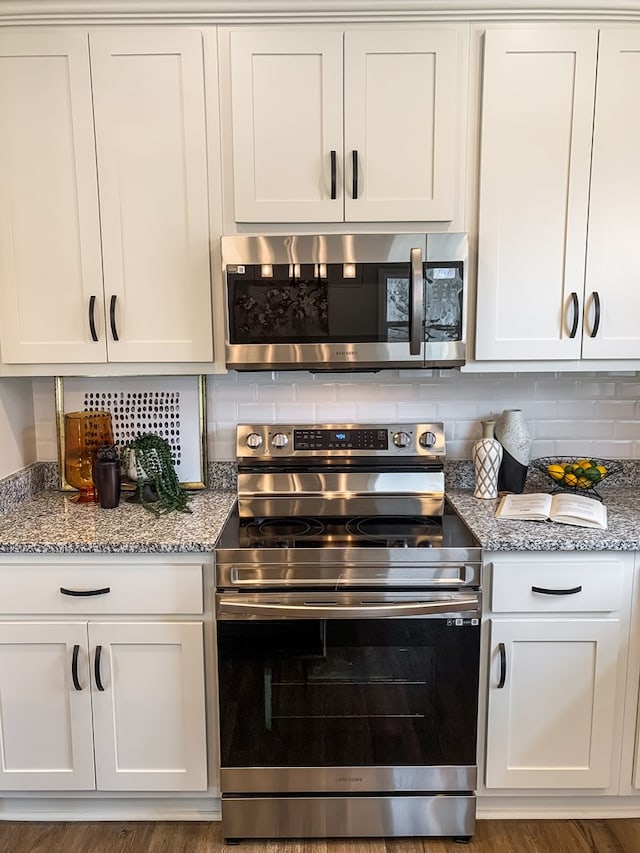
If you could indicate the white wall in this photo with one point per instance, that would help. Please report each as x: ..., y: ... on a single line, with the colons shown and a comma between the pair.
x: 594, y: 414
x: 17, y: 431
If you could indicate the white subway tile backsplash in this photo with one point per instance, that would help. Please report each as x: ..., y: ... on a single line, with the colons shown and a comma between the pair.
x: 615, y: 409
x: 567, y: 414
x: 418, y: 412
x: 330, y: 413
x: 351, y: 392
x: 375, y: 413
x: 296, y: 413
x: 256, y: 413
x: 274, y: 393
x: 316, y: 391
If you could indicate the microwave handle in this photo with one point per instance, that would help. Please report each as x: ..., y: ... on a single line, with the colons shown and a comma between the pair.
x: 416, y: 303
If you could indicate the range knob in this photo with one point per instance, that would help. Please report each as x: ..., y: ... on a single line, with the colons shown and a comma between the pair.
x: 401, y: 439
x: 279, y: 440
x: 254, y: 441
x: 427, y: 439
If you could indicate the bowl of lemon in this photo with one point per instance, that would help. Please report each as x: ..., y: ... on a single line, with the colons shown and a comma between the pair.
x: 575, y: 474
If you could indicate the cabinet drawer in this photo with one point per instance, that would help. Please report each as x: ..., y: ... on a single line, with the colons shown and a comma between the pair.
x: 575, y: 586
x: 124, y: 587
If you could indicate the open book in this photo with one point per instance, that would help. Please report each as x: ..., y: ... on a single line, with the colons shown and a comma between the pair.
x: 564, y: 507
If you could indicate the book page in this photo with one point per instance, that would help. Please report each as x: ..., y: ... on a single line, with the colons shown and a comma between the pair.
x: 535, y: 506
x: 576, y: 509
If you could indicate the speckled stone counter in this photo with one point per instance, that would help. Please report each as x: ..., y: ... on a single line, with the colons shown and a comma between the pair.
x: 622, y: 534
x: 50, y: 523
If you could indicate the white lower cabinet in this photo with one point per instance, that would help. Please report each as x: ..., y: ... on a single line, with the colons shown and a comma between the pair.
x: 97, y: 704
x: 558, y: 643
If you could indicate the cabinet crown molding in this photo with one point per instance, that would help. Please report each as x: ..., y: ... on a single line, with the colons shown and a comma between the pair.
x: 21, y: 12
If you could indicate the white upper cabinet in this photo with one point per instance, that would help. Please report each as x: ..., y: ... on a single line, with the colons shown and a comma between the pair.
x: 104, y: 235
x: 613, y: 263
x: 50, y: 261
x: 559, y: 181
x: 148, y: 91
x: 537, y: 115
x: 287, y: 125
x: 332, y: 126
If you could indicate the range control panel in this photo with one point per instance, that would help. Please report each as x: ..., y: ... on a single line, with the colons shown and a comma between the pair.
x: 340, y: 439
x: 381, y: 440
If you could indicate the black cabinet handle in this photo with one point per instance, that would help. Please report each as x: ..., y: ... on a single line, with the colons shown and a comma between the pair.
x: 96, y: 668
x: 81, y: 593
x: 74, y: 667
x: 576, y: 314
x: 92, y: 319
x: 333, y: 174
x: 354, y: 163
x: 503, y: 665
x: 544, y: 591
x: 596, y: 320
x: 112, y: 318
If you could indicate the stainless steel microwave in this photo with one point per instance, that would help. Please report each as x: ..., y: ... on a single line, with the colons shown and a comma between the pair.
x: 337, y: 302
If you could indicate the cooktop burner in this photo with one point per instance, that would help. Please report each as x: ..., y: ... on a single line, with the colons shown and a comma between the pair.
x: 365, y: 531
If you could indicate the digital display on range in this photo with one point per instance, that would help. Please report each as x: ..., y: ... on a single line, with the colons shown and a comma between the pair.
x: 349, y: 439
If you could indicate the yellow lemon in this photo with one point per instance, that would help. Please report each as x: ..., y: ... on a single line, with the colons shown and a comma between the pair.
x: 601, y: 469
x: 556, y: 471
x: 584, y: 482
x: 570, y: 479
x: 584, y: 463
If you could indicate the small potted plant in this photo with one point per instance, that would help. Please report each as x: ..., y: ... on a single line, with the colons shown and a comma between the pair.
x: 148, y: 461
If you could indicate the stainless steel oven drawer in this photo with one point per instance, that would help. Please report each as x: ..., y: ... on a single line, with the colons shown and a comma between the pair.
x: 343, y: 816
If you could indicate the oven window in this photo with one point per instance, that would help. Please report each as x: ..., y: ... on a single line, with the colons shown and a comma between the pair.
x: 343, y: 692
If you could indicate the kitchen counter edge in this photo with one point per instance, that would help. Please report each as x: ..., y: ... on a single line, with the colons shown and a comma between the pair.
x: 622, y: 533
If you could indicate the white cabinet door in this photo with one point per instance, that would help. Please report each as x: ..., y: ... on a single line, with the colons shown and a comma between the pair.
x: 148, y: 91
x: 50, y: 261
x: 287, y: 125
x: 402, y: 108
x: 613, y: 264
x: 149, y: 718
x: 46, y: 740
x: 537, y: 116
x: 551, y: 724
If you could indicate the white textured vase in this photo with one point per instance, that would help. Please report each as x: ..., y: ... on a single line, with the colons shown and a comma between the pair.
x: 487, y: 456
x: 513, y: 434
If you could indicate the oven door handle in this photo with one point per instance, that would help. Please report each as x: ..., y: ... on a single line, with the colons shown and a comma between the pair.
x: 230, y: 608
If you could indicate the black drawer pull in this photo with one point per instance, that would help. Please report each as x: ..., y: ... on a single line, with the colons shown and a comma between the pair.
x: 74, y: 667
x: 81, y: 593
x: 96, y: 668
x: 503, y: 665
x: 544, y: 591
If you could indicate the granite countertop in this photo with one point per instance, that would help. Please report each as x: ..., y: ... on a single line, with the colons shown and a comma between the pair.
x: 51, y: 523
x: 622, y: 534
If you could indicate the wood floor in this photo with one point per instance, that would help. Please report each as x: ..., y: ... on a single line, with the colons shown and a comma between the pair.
x: 511, y: 836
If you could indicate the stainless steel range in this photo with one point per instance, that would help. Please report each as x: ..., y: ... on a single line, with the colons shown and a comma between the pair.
x: 348, y: 602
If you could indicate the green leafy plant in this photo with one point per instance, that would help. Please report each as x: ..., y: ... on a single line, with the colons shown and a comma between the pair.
x: 154, y: 465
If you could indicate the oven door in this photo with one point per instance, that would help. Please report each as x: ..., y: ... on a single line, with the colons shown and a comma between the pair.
x: 348, y: 692
x: 359, y: 302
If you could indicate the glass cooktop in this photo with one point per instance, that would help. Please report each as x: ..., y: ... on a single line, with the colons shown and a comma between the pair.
x: 370, y: 531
